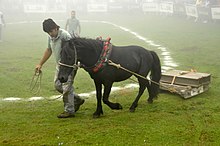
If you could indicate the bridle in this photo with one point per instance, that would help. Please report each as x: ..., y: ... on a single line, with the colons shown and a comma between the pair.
x: 75, y: 65
x: 106, y: 51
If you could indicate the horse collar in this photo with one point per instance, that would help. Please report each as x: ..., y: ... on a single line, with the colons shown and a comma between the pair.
x: 103, y: 59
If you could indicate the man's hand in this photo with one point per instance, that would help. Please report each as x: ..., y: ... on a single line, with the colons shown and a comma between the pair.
x: 38, y: 68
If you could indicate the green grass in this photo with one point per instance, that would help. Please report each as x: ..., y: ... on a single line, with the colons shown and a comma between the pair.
x: 170, y: 120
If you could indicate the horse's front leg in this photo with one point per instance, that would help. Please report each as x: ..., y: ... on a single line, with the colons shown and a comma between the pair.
x: 99, y: 110
x: 107, y: 90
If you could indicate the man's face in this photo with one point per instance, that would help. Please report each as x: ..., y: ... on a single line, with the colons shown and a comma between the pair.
x: 53, y: 33
x: 73, y: 14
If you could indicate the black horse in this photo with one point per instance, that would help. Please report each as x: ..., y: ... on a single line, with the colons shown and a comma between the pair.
x: 94, y: 56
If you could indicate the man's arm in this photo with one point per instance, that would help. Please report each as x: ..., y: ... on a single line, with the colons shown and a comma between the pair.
x: 67, y: 23
x: 46, y: 56
x: 79, y: 28
x: 3, y: 20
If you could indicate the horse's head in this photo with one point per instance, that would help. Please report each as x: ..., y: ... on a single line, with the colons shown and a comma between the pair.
x: 68, y: 60
x: 87, y: 51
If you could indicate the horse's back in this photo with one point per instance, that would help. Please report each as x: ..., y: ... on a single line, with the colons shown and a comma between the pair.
x: 133, y: 58
x: 130, y: 56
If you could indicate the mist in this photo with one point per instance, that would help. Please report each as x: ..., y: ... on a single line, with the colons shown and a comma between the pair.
x: 35, y: 10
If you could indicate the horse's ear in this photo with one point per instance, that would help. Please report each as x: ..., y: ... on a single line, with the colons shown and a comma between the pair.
x: 63, y: 42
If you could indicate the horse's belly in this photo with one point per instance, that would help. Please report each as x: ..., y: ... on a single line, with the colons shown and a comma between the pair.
x: 111, y: 74
x: 121, y: 79
x: 118, y: 75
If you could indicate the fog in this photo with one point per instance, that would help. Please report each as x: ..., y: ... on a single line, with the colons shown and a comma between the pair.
x: 36, y: 9
x: 28, y: 9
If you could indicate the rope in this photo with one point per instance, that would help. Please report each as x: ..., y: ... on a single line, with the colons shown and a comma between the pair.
x: 54, y: 98
x: 75, y: 67
x: 35, y: 80
x: 120, y: 67
x: 37, y: 75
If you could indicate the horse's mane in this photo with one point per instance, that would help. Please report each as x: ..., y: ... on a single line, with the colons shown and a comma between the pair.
x: 88, y: 43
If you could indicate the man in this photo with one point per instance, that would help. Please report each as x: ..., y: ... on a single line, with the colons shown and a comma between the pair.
x: 71, y: 101
x: 73, y: 25
x: 2, y: 23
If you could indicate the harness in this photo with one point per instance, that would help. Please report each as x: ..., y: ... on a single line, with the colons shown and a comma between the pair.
x: 103, y: 59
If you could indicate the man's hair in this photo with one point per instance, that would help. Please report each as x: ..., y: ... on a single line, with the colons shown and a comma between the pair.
x: 49, y: 24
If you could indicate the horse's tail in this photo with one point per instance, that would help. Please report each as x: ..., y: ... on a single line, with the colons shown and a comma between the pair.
x: 155, y: 75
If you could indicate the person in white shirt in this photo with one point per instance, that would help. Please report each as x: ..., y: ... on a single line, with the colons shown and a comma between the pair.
x: 71, y: 101
x: 2, y: 24
x: 73, y: 25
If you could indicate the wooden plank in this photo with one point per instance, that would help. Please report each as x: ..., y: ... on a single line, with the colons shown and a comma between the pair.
x: 184, y: 91
x: 186, y: 78
x: 185, y: 83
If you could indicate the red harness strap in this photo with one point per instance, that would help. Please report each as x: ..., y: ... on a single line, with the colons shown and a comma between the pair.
x: 104, y: 55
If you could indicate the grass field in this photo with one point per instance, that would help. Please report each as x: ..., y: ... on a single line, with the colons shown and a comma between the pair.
x: 170, y: 120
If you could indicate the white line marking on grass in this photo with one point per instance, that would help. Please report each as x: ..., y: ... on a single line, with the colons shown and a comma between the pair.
x: 35, y: 98
x: 83, y: 95
x: 11, y: 99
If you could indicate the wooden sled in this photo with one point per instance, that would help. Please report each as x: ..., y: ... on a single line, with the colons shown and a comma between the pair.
x: 185, y: 83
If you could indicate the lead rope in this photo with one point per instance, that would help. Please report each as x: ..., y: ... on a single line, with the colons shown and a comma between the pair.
x: 36, y: 79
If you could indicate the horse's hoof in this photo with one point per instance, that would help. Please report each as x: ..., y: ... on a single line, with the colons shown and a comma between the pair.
x: 132, y: 110
x: 96, y: 116
x: 119, y: 107
x: 150, y: 101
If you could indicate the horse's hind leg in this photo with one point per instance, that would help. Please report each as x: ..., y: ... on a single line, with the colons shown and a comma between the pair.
x: 150, y: 98
x: 142, y: 84
x: 107, y: 90
x: 151, y: 92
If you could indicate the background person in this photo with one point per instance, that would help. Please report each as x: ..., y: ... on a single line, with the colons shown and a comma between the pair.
x: 2, y: 24
x: 73, y: 25
x: 71, y: 101
x: 199, y: 3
